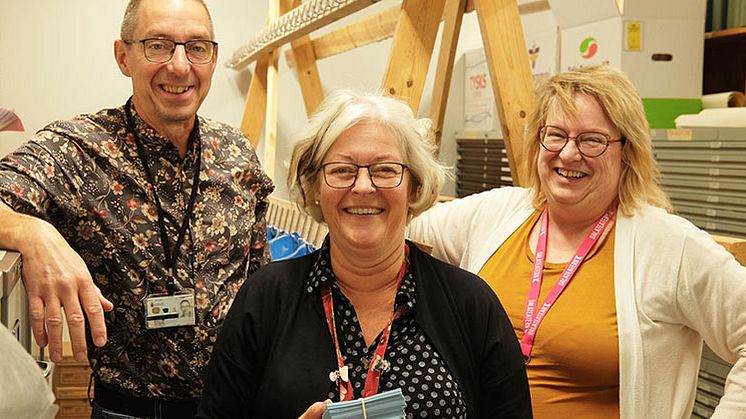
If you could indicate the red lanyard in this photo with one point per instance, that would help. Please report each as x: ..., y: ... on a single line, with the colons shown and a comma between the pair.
x: 377, y: 364
x: 532, y: 319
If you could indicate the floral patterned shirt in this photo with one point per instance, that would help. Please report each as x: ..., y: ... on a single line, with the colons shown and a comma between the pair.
x: 84, y: 176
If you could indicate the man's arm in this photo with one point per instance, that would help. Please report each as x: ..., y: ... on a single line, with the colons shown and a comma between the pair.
x: 56, y: 279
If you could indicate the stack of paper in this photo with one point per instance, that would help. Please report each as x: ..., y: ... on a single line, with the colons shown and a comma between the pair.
x: 386, y: 405
x: 9, y: 121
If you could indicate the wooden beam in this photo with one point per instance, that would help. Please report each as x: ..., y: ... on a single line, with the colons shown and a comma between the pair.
x: 373, y: 29
x: 412, y: 49
x: 507, y: 59
x: 453, y: 15
x: 276, y: 9
x: 367, y: 31
x: 308, y: 73
x: 306, y: 70
x: 255, y: 107
x: 534, y: 7
x: 302, y: 20
x: 378, y: 28
x: 270, y: 123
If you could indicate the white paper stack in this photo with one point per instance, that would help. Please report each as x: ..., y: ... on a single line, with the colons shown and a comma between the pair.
x: 714, y: 117
x: 386, y: 405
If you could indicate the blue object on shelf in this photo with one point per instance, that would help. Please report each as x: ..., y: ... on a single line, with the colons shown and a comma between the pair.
x: 284, y: 245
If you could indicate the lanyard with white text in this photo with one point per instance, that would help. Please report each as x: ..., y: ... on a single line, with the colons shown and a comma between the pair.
x: 377, y: 364
x: 532, y: 319
x: 170, y: 257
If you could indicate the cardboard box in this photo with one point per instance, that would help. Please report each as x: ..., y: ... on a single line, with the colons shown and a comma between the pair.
x: 571, y: 13
x: 480, y: 113
x: 542, y: 41
x: 659, y: 45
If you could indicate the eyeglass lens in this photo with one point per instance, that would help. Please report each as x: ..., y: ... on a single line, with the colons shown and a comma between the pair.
x: 161, y: 50
x: 382, y: 175
x: 591, y: 144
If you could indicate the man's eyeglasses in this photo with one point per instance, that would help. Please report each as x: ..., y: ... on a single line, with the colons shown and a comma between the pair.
x: 161, y: 50
x: 589, y: 143
x: 384, y: 175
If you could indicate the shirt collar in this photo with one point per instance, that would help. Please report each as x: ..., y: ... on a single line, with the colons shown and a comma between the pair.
x: 150, y: 138
x: 321, y: 275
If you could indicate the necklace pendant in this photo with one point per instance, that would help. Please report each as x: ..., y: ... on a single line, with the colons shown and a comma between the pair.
x: 381, y: 364
x: 341, y: 374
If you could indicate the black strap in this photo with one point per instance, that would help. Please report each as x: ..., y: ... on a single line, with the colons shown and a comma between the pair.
x: 170, y: 256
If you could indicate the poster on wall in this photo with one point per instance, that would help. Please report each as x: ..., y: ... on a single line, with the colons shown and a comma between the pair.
x: 479, y: 101
x: 542, y: 54
x: 480, y: 111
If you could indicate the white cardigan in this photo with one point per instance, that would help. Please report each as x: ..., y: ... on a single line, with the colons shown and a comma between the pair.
x: 674, y: 287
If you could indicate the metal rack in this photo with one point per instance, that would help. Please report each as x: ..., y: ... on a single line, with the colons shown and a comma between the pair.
x: 704, y: 173
x: 482, y: 165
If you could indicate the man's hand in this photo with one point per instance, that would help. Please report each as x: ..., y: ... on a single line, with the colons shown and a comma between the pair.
x: 57, y: 279
x: 316, y: 411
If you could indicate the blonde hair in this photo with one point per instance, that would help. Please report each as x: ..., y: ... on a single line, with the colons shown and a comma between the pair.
x: 639, y: 181
x: 340, y: 111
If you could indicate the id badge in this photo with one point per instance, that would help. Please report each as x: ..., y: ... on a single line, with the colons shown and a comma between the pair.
x: 169, y: 311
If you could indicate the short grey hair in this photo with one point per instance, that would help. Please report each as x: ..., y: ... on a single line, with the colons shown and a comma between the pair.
x: 129, y: 22
x: 340, y: 111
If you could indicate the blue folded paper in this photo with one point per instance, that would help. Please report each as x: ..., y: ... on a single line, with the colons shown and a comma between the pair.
x: 386, y: 405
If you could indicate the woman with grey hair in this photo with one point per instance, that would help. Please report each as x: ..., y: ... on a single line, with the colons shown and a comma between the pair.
x: 369, y: 311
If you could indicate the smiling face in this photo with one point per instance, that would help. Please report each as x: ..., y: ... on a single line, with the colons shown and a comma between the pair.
x: 169, y: 93
x: 364, y: 217
x: 572, y: 182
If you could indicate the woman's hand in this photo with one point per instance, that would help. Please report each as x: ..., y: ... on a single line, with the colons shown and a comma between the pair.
x: 316, y: 410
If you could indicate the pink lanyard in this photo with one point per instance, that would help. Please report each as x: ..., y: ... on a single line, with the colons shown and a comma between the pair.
x: 532, y: 319
x: 377, y: 364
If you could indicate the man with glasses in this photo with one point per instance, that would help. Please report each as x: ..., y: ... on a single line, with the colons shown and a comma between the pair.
x: 135, y: 210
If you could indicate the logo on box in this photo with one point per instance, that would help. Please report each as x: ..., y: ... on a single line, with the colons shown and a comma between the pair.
x: 588, y: 48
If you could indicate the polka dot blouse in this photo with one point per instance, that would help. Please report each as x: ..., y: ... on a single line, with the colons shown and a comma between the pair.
x: 417, y: 368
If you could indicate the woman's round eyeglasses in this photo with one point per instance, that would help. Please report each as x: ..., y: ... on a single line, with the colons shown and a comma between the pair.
x: 589, y: 143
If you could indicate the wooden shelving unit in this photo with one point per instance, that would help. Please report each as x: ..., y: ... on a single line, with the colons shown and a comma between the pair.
x: 725, y: 61
x: 70, y: 385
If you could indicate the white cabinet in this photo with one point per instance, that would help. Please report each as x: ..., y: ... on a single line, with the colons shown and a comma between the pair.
x: 13, y: 302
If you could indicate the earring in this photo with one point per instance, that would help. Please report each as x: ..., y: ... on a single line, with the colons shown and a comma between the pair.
x: 316, y: 202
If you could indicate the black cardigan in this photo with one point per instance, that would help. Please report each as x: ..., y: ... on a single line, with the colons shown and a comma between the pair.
x: 274, y: 354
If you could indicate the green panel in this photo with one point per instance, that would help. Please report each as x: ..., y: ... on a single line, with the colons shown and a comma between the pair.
x: 661, y: 113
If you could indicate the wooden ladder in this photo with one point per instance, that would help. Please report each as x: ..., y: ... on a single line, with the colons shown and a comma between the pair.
x: 414, y: 26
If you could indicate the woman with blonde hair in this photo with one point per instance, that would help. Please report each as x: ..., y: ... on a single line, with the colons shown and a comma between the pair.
x: 610, y: 295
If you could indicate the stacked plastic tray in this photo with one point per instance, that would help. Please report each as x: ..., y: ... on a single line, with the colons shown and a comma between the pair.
x: 710, y: 384
x: 704, y: 173
x: 482, y: 165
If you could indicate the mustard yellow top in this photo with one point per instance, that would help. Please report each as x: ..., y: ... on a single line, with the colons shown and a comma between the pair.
x: 574, y: 366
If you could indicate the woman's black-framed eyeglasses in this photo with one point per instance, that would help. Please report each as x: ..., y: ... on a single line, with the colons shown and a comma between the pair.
x: 383, y: 175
